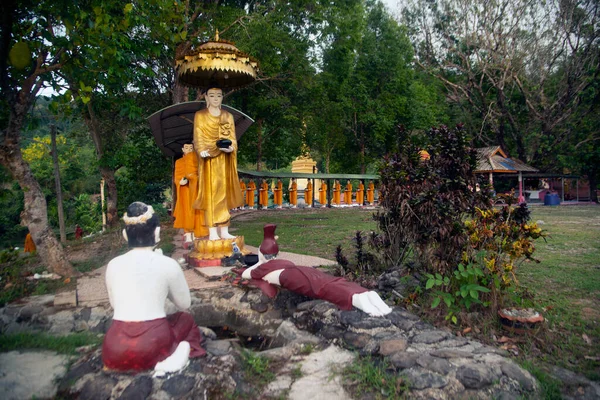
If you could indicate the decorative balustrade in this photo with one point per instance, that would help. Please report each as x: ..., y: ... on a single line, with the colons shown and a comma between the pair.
x: 368, y: 180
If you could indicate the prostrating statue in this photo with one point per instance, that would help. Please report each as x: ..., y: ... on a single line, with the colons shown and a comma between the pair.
x: 186, y: 183
x: 216, y: 144
x: 142, y: 336
x: 309, y: 281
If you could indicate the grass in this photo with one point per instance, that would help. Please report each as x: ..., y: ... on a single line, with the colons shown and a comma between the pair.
x: 61, y: 344
x: 565, y: 285
x: 373, y: 378
x: 315, y: 232
x: 257, y: 369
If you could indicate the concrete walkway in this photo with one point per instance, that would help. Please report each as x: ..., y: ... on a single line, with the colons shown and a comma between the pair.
x: 91, y: 288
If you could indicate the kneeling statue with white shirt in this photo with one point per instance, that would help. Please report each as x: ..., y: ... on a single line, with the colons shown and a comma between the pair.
x: 142, y: 336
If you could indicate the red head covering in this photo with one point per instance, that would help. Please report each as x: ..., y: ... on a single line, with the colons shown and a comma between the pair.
x: 269, y: 245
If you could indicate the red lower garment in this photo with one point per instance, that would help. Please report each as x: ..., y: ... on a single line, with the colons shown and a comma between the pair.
x: 138, y: 346
x: 311, y: 282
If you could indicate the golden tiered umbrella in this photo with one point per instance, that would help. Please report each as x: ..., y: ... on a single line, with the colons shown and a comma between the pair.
x: 216, y: 63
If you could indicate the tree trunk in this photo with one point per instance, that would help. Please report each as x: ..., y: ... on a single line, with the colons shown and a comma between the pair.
x: 59, y: 201
x: 593, y: 185
x: 259, y: 144
x: 112, y: 216
x: 35, y: 212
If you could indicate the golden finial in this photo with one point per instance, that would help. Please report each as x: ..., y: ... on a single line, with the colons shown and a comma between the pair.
x: 217, y: 36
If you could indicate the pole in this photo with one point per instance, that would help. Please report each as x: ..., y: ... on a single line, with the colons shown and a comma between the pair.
x: 102, y: 204
x: 59, y: 202
x: 521, y: 197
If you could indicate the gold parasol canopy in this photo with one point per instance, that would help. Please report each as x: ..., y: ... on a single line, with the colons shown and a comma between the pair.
x: 217, y: 62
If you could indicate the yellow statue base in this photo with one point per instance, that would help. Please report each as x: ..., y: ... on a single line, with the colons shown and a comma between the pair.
x: 205, y: 249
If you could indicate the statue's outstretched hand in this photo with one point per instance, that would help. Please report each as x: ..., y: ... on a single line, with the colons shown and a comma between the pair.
x: 183, y: 182
x: 204, y: 154
x: 227, y: 150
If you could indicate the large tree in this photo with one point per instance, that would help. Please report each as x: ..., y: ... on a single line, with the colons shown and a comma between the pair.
x: 516, y: 68
x: 32, y: 46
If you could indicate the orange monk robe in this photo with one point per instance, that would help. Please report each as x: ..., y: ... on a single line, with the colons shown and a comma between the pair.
x: 263, y: 197
x: 219, y: 187
x: 242, y: 188
x: 308, y: 194
x: 323, y: 193
x: 360, y: 194
x: 371, y: 193
x: 186, y: 217
x: 278, y: 194
x: 294, y: 194
x: 29, y: 244
x: 348, y: 194
x: 250, y: 191
x: 337, y: 193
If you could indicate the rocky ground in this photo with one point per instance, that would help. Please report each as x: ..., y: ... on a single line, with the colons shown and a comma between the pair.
x: 308, y: 344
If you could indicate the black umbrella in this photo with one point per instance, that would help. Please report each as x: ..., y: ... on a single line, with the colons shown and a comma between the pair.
x: 173, y: 126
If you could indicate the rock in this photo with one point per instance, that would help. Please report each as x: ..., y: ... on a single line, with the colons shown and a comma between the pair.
x: 139, y: 389
x: 26, y: 375
x: 430, y: 337
x: 278, y: 354
x: 89, y: 366
x: 278, y: 387
x: 259, y: 307
x: 439, y: 365
x: 451, y: 353
x: 569, y: 378
x: 28, y: 312
x: 178, y: 385
x: 474, y: 376
x: 351, y: 317
x: 404, y: 359
x: 401, y: 314
x: 217, y: 347
x: 387, y: 347
x: 85, y: 314
x: 98, y: 388
x: 356, y: 340
x: 332, y: 332
x: 421, y: 379
x: 524, y: 378
x: 287, y: 333
x: 208, y: 333
x: 316, y: 381
x: 491, y: 350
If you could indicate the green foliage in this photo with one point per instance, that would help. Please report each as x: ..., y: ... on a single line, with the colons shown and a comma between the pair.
x: 425, y: 200
x: 256, y: 368
x: 88, y: 213
x: 61, y: 344
x: 374, y: 377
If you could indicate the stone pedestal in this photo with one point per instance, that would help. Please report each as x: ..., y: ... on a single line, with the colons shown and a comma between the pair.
x: 304, y: 165
x: 209, y: 253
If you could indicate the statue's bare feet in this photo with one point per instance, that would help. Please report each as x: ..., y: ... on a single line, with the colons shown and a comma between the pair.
x: 379, y: 303
x: 224, y: 233
x: 212, y: 234
x: 175, y: 362
x: 188, y: 237
x: 363, y: 303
